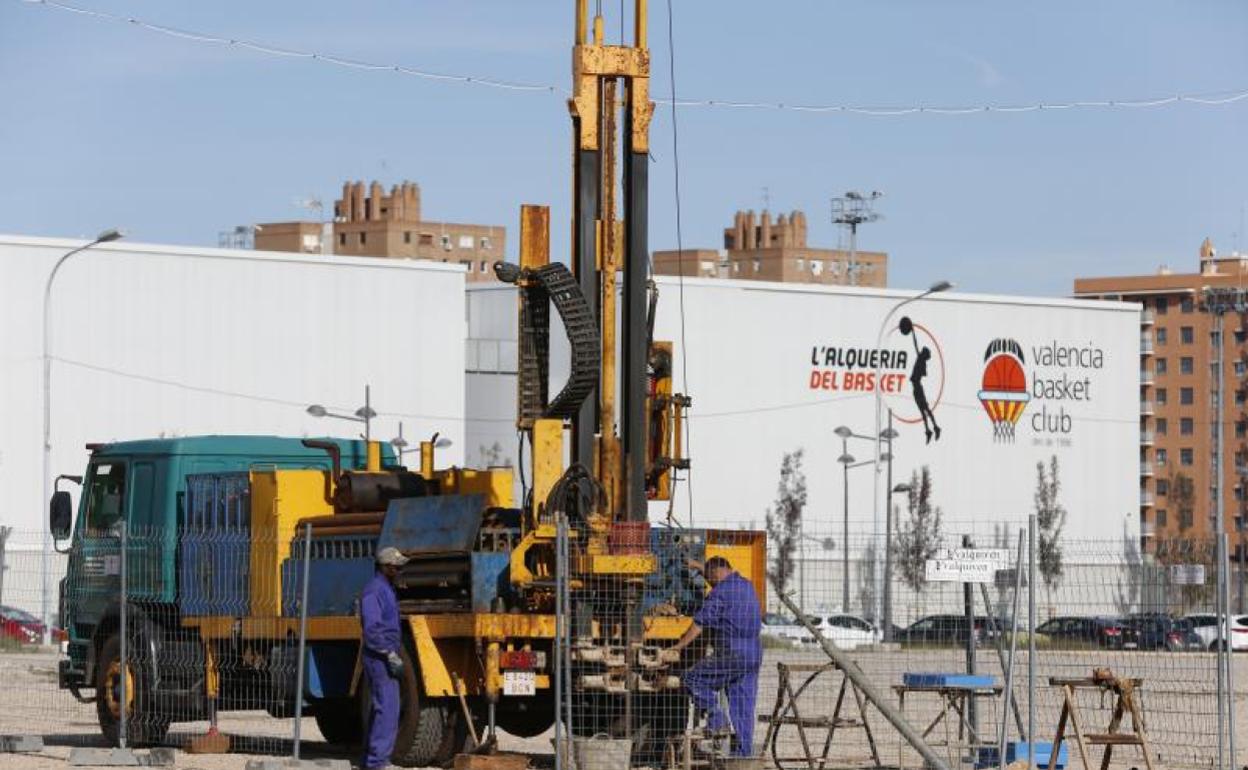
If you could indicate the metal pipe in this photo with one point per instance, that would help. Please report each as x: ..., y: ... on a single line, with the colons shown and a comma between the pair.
x: 332, y: 449
x: 125, y: 663
x: 855, y: 674
x: 1009, y: 669
x: 998, y: 646
x: 303, y: 636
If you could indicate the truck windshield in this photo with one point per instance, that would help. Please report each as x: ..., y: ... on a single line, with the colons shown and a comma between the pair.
x: 106, y: 496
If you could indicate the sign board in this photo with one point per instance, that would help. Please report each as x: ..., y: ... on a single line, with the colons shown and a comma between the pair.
x: 1187, y: 574
x: 967, y: 565
x: 999, y: 556
x: 955, y: 571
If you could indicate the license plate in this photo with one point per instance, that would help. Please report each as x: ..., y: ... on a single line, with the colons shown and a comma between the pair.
x: 519, y: 683
x: 1130, y: 645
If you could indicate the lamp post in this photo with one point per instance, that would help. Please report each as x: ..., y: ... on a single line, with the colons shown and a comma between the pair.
x: 847, y: 462
x: 935, y: 288
x: 364, y: 414
x: 46, y: 478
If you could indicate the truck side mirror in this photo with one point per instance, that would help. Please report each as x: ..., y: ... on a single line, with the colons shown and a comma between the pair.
x: 60, y: 514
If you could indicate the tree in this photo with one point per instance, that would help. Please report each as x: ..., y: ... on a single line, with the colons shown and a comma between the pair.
x: 919, y: 535
x: 1129, y: 585
x: 1181, y: 492
x: 866, y: 582
x: 784, y: 522
x: 1050, y: 520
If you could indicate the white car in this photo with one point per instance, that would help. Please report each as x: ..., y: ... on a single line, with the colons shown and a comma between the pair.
x: 1205, y: 625
x: 847, y: 631
x: 785, y: 629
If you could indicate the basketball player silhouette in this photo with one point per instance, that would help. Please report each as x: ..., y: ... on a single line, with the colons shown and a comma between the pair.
x: 930, y: 428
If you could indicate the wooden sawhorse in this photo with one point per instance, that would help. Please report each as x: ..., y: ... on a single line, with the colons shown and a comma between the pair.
x: 1125, y: 691
x: 786, y: 712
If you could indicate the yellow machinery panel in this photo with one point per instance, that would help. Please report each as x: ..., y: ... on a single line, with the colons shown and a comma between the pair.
x: 746, y: 551
x: 496, y: 484
x: 279, y: 499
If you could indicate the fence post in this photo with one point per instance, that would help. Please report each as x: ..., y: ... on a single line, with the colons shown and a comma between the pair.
x: 1009, y: 669
x: 1225, y: 568
x: 1031, y: 639
x: 124, y: 704
x: 968, y: 607
x: 1222, y: 614
x: 560, y: 577
x: 303, y: 636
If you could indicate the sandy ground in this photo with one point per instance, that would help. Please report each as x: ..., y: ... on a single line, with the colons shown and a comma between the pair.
x: 1179, y: 701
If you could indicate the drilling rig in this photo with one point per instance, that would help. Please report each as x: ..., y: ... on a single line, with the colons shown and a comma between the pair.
x: 495, y: 592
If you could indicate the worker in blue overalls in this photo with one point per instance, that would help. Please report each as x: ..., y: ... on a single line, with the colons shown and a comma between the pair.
x: 383, y: 662
x: 732, y: 619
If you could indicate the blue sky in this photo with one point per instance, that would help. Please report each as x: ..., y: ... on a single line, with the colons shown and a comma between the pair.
x: 106, y: 124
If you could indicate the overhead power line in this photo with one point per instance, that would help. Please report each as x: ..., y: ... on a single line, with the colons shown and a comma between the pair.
x: 1203, y: 98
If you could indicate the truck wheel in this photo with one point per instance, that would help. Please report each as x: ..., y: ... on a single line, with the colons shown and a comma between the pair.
x: 339, y: 723
x: 429, y: 731
x: 143, y: 724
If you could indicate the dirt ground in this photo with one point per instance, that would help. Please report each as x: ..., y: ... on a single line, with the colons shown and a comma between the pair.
x: 1179, y: 703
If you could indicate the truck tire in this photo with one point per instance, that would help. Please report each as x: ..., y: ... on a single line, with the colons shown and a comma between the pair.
x: 429, y: 731
x: 143, y: 724
x: 339, y: 723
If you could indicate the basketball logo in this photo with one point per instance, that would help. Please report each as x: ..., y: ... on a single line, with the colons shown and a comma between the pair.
x: 1004, y: 387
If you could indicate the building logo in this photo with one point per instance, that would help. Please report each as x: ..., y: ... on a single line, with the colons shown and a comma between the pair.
x: 907, y: 371
x: 1004, y: 387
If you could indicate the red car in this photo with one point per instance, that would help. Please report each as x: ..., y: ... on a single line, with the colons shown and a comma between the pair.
x: 22, y: 627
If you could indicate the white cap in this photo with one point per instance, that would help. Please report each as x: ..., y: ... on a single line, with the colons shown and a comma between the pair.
x: 391, y: 557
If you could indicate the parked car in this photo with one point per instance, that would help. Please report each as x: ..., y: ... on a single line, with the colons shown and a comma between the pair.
x: 1205, y: 625
x: 785, y: 629
x: 21, y: 626
x: 940, y: 630
x: 1161, y: 632
x: 1109, y: 633
x: 1183, y: 637
x: 848, y: 631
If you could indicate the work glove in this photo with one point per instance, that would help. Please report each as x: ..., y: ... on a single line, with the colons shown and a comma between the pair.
x: 669, y: 655
x: 394, y: 664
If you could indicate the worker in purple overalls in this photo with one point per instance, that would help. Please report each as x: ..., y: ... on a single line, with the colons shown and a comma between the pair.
x: 733, y: 620
x: 383, y: 662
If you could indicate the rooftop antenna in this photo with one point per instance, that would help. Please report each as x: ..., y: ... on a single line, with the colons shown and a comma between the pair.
x: 850, y: 210
x: 766, y: 198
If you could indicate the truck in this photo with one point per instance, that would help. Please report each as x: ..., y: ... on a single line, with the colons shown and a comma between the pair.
x: 228, y: 555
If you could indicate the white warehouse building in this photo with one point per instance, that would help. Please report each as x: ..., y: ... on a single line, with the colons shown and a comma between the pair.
x: 152, y: 340
x: 1008, y: 382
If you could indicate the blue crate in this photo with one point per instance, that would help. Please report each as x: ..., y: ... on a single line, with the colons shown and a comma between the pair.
x: 962, y: 681
x: 1015, y: 750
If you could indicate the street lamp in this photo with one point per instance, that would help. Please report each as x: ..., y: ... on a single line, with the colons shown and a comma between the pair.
x: 401, y: 444
x: 46, y: 479
x: 935, y: 288
x: 364, y: 414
